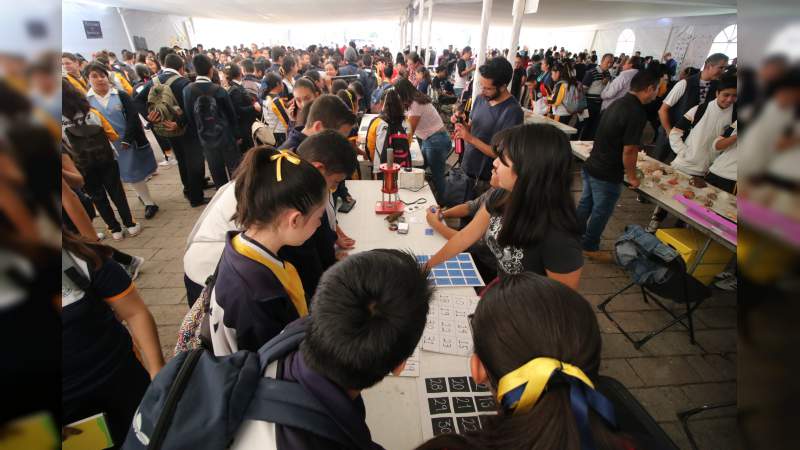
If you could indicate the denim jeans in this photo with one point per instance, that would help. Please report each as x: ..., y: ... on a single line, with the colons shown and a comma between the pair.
x: 595, y: 208
x: 436, y: 148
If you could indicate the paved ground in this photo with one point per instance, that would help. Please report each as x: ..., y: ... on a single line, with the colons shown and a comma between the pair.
x: 667, y: 375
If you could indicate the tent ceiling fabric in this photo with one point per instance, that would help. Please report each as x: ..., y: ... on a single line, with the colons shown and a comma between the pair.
x: 552, y: 13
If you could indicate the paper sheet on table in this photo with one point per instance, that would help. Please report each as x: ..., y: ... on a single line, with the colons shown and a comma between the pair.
x: 447, y: 328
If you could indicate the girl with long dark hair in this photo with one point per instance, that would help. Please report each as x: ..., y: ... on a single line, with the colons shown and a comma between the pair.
x: 529, y: 223
x: 425, y: 122
x: 537, y: 346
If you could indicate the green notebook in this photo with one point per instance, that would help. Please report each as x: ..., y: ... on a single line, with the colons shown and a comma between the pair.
x: 90, y: 433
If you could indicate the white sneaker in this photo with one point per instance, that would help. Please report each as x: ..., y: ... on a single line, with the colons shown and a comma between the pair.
x: 172, y: 162
x: 117, y: 235
x: 134, y: 230
x: 165, y: 163
x: 134, y: 267
x: 101, y: 236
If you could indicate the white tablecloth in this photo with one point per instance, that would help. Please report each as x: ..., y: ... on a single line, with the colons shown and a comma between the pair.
x: 393, y: 414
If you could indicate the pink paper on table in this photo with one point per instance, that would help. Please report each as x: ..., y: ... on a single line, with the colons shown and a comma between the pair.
x: 709, y: 218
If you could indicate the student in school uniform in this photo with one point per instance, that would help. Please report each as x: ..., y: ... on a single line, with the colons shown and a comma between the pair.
x: 275, y: 111
x: 537, y: 346
x: 563, y: 82
x: 100, y: 372
x: 222, y: 153
x: 246, y: 104
x: 383, y: 294
x: 134, y: 155
x: 529, y: 223
x: 280, y: 200
x: 72, y: 72
x: 327, y: 112
x: 390, y: 120
x: 331, y: 154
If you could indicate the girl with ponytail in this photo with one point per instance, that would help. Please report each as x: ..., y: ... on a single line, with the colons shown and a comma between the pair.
x: 280, y: 200
x: 537, y: 346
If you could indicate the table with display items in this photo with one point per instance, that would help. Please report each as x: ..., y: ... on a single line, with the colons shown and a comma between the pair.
x: 532, y: 117
x: 393, y: 405
x: 709, y: 210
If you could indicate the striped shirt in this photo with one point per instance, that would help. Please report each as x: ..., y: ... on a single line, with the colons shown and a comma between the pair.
x: 593, y: 80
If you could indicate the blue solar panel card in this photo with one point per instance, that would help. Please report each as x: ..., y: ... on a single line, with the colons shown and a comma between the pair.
x: 458, y: 271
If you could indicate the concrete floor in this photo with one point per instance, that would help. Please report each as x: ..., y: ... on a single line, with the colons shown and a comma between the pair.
x: 667, y: 375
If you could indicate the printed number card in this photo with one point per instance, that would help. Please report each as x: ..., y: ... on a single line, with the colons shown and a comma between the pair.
x: 447, y: 328
x: 453, y: 405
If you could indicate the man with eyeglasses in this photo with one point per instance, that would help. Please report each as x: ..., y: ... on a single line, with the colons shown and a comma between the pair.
x: 494, y: 110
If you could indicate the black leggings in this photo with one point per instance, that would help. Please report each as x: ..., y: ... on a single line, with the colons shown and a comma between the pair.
x: 102, y: 181
x: 118, y: 398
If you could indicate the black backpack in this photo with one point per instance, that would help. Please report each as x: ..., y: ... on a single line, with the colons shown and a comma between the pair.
x: 198, y: 401
x: 397, y: 140
x: 211, y: 124
x: 89, y: 146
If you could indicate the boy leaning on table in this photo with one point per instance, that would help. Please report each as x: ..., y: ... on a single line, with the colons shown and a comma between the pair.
x: 369, y: 314
x: 613, y: 157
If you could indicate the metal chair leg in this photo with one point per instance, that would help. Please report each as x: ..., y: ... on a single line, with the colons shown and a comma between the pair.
x: 684, y: 416
x: 602, y: 306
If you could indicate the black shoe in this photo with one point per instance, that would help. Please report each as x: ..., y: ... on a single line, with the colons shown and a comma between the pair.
x: 150, y: 211
x: 202, y: 202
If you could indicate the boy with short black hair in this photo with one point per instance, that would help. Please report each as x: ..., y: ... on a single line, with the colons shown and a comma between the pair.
x: 382, y: 293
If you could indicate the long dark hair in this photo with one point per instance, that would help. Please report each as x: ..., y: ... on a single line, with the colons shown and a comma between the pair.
x: 72, y: 101
x: 93, y: 253
x: 541, y: 199
x: 393, y: 112
x: 524, y: 317
x: 260, y: 197
x: 409, y: 94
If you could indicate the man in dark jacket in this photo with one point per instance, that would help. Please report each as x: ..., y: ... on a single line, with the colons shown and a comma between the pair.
x: 217, y: 140
x: 191, y: 163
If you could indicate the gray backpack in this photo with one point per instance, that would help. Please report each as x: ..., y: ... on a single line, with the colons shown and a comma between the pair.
x: 199, y: 401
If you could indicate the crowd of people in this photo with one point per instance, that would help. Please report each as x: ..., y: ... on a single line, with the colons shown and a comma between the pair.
x: 276, y: 128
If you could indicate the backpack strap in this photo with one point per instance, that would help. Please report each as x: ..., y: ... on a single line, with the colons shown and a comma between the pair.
x: 284, y: 343
x: 170, y: 80
x: 287, y: 403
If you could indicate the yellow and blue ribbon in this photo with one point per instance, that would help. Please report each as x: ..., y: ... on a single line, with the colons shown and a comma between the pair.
x: 519, y: 390
x: 287, y: 155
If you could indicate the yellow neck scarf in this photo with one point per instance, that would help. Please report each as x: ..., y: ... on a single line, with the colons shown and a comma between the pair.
x: 287, y: 275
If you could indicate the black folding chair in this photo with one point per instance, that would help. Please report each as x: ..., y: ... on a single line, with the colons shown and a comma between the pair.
x: 679, y: 287
x: 632, y: 418
x: 684, y: 416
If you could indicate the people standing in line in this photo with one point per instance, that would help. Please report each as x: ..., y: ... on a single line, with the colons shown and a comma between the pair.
x: 463, y: 72
x: 687, y: 93
x: 613, y: 157
x: 183, y: 139
x: 594, y: 81
x: 134, y: 155
x: 96, y: 162
x: 210, y: 114
x: 620, y: 86
x: 425, y: 122
x: 529, y: 223
x: 493, y: 111
x: 247, y: 107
